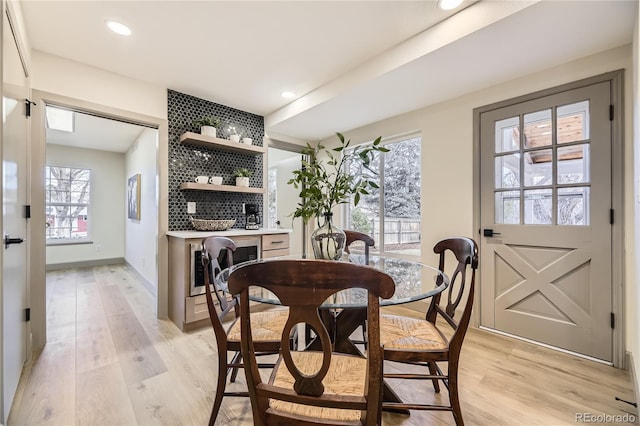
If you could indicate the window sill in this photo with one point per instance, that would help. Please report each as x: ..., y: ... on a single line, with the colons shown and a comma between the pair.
x: 68, y: 242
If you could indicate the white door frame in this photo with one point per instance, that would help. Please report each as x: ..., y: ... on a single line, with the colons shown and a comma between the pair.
x: 38, y: 239
x: 617, y: 141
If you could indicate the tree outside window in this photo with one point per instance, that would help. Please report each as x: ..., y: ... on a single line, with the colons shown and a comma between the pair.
x: 67, y: 195
x: 391, y: 213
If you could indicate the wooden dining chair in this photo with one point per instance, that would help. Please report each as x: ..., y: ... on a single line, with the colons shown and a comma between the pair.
x: 313, y: 387
x: 416, y: 341
x: 352, y: 237
x: 269, y: 323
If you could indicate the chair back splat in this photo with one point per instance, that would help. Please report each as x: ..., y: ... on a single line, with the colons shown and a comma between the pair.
x: 311, y: 387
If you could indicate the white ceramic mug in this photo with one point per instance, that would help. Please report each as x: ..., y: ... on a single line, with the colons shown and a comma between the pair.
x: 202, y: 179
x: 247, y: 141
x: 234, y: 138
x: 215, y: 180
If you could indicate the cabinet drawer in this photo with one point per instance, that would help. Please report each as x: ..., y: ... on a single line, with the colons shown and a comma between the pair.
x: 275, y: 253
x: 275, y: 242
x: 196, y: 308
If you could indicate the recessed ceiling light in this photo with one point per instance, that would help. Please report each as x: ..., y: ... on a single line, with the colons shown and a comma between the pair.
x: 119, y: 28
x: 449, y: 4
x: 287, y: 95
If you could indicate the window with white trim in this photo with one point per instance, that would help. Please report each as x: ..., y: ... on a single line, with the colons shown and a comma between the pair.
x: 67, y: 201
x: 391, y: 213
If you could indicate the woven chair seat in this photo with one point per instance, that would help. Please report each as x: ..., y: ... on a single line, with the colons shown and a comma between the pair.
x: 346, y: 376
x: 265, y: 326
x: 397, y: 332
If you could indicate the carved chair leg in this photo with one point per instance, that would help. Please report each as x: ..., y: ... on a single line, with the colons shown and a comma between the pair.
x: 222, y: 382
x: 433, y: 371
x: 454, y: 398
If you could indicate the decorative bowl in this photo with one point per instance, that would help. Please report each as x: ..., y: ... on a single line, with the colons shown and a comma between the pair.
x: 212, y: 224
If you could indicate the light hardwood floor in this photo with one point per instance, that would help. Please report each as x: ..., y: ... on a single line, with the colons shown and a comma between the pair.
x: 109, y: 361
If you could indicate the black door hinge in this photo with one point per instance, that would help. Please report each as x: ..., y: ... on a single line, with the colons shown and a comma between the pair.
x: 27, y: 314
x: 613, y: 320
x: 610, y: 112
x: 28, y: 103
x: 27, y: 212
x: 611, y: 216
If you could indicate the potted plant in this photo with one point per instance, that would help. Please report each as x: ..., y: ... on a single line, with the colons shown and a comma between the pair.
x: 326, y: 184
x: 242, y: 176
x: 208, y: 125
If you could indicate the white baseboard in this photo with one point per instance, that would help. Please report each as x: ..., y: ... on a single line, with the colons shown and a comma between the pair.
x: 631, y: 367
x: 84, y: 264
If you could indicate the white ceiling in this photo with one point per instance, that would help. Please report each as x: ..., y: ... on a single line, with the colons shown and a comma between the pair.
x: 351, y: 63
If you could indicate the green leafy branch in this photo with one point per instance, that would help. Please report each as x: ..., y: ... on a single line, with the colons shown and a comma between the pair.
x: 324, y: 185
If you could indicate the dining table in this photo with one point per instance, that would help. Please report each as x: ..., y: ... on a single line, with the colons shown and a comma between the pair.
x: 346, y: 310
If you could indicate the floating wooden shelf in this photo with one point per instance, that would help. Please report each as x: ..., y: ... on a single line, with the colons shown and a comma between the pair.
x: 196, y: 139
x: 221, y: 188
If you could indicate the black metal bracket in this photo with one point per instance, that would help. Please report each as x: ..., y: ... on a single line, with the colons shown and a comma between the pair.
x: 28, y: 104
x: 8, y: 241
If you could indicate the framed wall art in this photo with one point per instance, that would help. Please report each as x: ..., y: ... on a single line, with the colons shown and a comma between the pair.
x: 133, y: 197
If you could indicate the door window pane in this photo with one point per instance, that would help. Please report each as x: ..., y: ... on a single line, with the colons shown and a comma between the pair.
x: 538, y: 207
x: 573, y: 164
x: 508, y: 171
x: 538, y: 168
x: 573, y: 206
x: 508, y: 207
x: 573, y: 122
x: 537, y: 129
x: 507, y: 135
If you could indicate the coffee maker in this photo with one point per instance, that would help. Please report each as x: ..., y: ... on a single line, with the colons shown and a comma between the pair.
x: 252, y: 220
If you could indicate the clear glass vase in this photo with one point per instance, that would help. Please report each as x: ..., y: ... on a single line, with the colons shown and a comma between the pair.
x: 328, y: 241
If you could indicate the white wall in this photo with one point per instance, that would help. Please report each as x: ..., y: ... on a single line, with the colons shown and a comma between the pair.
x: 634, y: 255
x: 141, y: 235
x: 106, y: 219
x: 447, y: 155
x: 76, y: 80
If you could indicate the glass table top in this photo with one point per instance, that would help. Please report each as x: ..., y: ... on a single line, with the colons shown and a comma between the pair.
x: 413, y: 280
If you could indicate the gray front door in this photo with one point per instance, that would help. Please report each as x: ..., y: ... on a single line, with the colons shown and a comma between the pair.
x: 545, y: 182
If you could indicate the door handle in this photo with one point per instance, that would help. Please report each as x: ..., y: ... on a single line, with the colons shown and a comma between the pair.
x: 487, y: 232
x: 8, y: 241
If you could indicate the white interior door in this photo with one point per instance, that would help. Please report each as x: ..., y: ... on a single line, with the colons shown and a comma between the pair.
x: 546, y: 197
x: 14, y: 187
x: 283, y: 198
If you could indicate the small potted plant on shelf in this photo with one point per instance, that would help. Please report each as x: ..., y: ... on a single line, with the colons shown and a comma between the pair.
x: 242, y: 176
x: 208, y: 125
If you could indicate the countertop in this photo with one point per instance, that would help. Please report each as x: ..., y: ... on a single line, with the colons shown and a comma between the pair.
x: 228, y: 233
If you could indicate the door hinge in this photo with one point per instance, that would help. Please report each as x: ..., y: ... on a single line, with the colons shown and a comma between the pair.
x: 611, y: 216
x: 27, y: 212
x: 610, y: 112
x: 28, y: 104
x: 613, y: 320
x: 27, y: 314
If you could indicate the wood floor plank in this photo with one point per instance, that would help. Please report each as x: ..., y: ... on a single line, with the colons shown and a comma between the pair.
x: 103, y: 397
x: 49, y: 396
x: 151, y: 373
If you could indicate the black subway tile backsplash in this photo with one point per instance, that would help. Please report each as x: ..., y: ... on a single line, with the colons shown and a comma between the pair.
x: 186, y: 162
